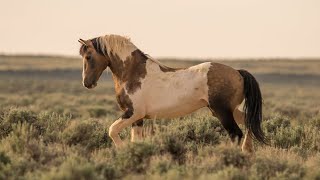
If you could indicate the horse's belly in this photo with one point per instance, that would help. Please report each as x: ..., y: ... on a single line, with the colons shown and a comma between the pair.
x: 173, y: 106
x: 175, y: 111
x: 175, y: 94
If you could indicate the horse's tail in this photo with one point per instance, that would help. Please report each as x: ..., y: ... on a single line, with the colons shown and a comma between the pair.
x: 252, y: 106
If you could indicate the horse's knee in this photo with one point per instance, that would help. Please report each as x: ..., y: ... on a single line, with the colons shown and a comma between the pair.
x: 113, y: 131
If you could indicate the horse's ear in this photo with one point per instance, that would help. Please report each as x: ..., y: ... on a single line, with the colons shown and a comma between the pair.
x: 83, y: 42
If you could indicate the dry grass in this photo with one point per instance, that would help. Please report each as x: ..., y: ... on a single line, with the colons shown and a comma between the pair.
x: 53, y: 128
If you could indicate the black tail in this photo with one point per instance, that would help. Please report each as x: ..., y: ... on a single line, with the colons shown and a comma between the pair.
x: 252, y: 106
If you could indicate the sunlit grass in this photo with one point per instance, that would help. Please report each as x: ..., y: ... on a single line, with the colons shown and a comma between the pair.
x: 53, y: 128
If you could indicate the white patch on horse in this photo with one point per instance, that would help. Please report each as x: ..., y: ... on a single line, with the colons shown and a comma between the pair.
x: 241, y: 106
x: 172, y: 94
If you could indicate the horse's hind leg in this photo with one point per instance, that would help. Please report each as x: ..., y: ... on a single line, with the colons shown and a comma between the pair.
x: 247, y: 143
x: 137, y: 130
x: 225, y: 115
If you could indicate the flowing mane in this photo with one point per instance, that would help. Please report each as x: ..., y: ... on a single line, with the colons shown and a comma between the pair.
x: 119, y: 45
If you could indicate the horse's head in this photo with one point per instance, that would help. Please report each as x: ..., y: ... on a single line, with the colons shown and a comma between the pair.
x: 94, y: 62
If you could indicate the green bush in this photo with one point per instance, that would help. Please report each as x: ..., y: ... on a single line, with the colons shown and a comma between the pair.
x: 202, y: 130
x: 15, y: 116
x: 315, y: 122
x: 73, y: 168
x: 45, y: 125
x: 51, y: 146
x: 279, y: 164
x: 288, y: 137
x: 134, y: 157
x: 272, y: 125
x: 20, y: 116
x: 161, y: 164
x: 4, y: 159
x: 312, y: 167
x: 230, y: 173
x: 89, y: 134
x: 98, y: 112
x: 53, y: 124
x: 231, y: 155
x: 175, y: 147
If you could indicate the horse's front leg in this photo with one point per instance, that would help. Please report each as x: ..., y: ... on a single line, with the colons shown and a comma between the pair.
x: 137, y: 130
x: 124, y: 121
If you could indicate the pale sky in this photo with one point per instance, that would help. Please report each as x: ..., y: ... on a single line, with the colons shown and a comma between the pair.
x: 166, y: 28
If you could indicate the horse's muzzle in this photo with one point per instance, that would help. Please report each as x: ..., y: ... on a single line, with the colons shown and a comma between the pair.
x: 89, y: 85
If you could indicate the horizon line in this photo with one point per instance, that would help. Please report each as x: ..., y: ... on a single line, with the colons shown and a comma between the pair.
x: 218, y: 58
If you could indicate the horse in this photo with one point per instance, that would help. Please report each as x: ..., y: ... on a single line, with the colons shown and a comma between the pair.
x: 145, y: 88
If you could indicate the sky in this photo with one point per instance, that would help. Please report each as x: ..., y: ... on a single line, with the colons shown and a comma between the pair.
x: 166, y: 28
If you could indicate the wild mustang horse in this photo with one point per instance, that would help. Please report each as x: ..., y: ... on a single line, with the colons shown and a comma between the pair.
x: 145, y: 88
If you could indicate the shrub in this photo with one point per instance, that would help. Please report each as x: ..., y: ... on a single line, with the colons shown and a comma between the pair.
x: 53, y: 124
x: 160, y: 164
x: 134, y: 157
x: 288, y: 137
x: 45, y: 125
x: 89, y: 134
x: 175, y: 147
x: 18, y: 139
x: 4, y: 159
x: 272, y: 125
x: 273, y: 163
x: 282, y: 134
x: 231, y: 155
x: 23, y: 150
x: 19, y: 116
x: 73, y: 168
x: 207, y: 131
x: 230, y: 173
x: 203, y: 130
x: 15, y: 116
x: 105, y: 162
x: 315, y: 122
x: 313, y: 165
x: 97, y: 112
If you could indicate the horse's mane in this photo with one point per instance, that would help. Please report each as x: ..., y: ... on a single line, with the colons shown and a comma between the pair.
x: 115, y: 43
x: 158, y: 62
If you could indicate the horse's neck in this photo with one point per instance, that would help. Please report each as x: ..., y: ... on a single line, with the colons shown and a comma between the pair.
x: 131, y: 68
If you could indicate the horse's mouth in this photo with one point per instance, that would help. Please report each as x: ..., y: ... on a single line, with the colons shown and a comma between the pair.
x: 93, y: 85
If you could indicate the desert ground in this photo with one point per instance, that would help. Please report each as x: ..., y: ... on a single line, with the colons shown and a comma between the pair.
x: 51, y: 127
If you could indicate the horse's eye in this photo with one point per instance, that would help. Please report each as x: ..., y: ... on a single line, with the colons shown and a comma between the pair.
x: 88, y: 57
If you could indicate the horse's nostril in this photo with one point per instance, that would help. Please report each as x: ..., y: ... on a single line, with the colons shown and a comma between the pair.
x: 85, y: 84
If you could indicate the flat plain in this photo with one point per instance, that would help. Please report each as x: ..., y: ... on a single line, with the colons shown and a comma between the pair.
x: 51, y: 127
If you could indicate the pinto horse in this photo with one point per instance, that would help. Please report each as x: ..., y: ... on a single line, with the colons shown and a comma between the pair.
x: 145, y: 88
